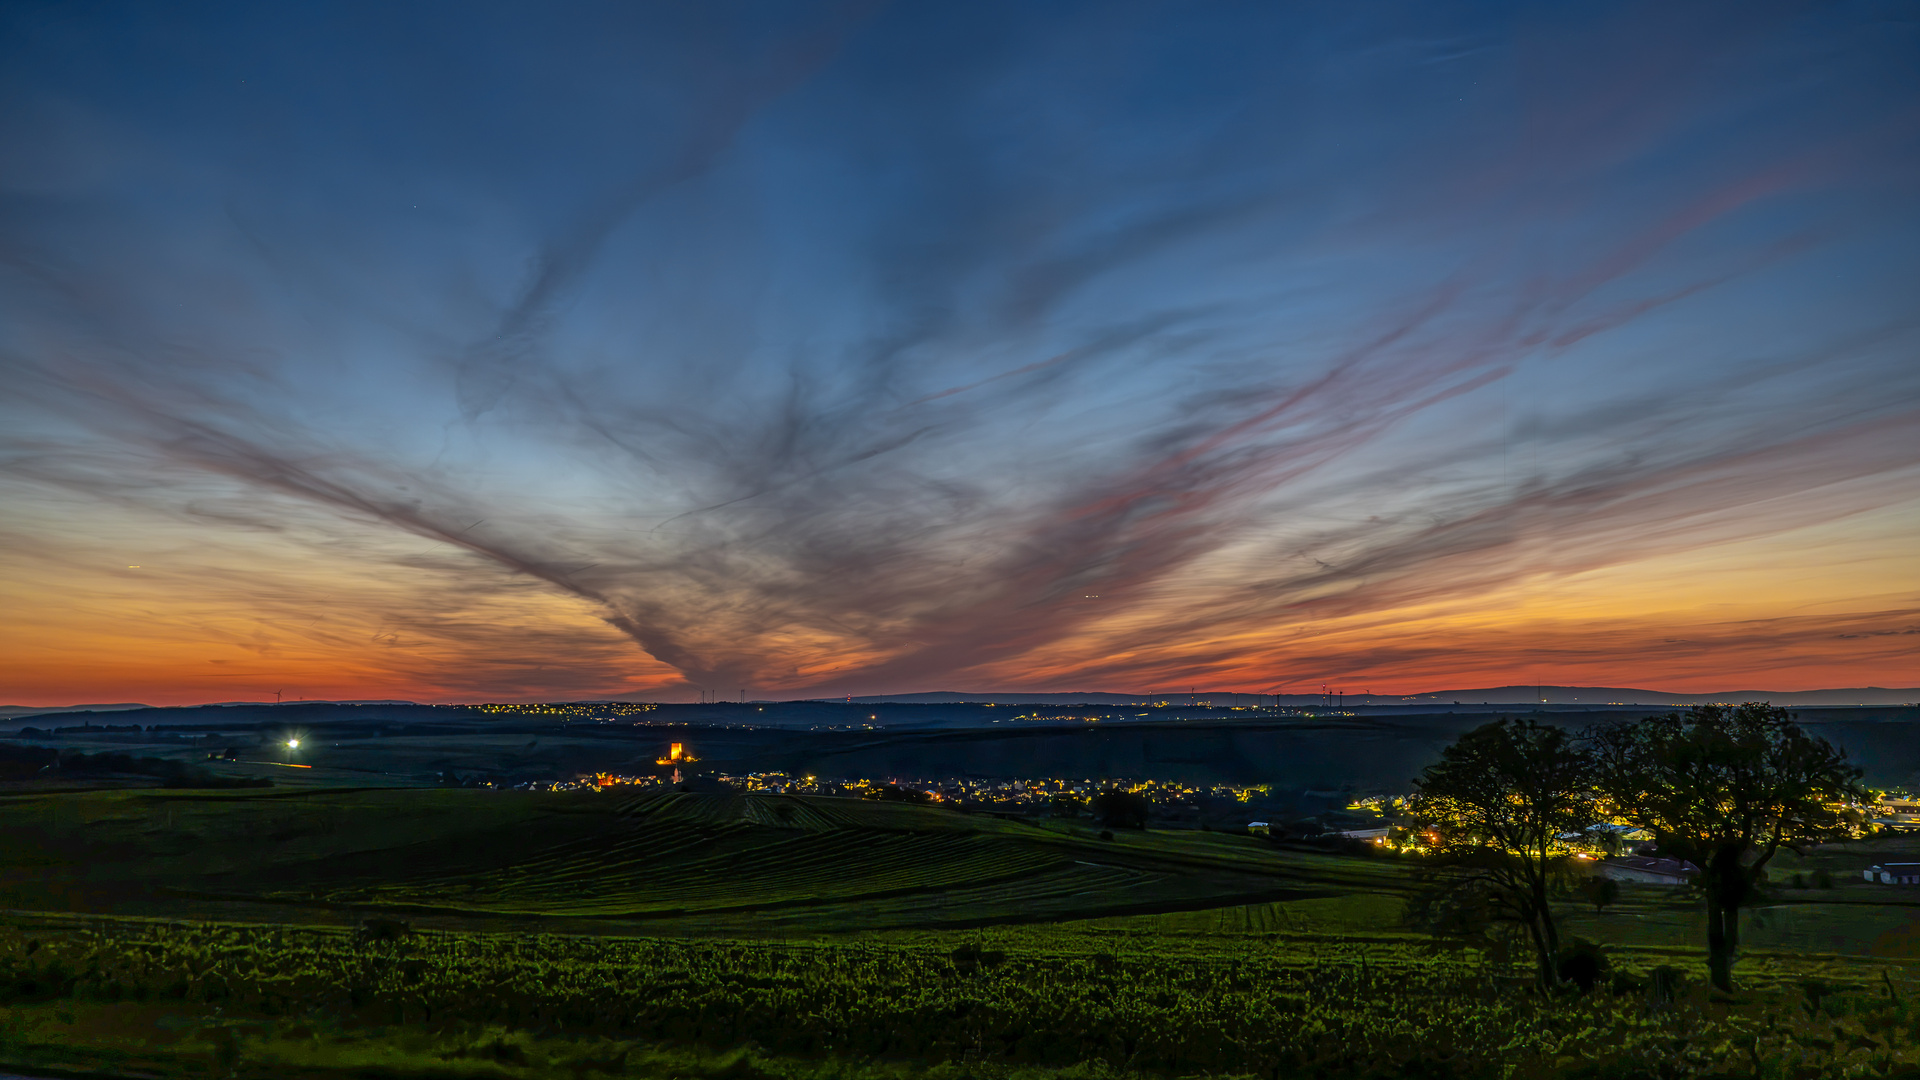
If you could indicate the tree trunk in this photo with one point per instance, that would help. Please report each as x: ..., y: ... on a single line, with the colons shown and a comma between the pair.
x: 1546, y: 938
x: 1546, y: 974
x: 1723, y: 936
x: 1730, y: 914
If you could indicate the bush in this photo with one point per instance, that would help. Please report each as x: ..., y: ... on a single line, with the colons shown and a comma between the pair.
x: 1663, y: 985
x: 18, y: 762
x: 377, y: 929
x: 170, y: 773
x: 1583, y: 964
x: 1118, y: 809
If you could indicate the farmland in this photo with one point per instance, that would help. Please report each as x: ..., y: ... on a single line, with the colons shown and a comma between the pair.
x: 667, y: 862
x: 325, y: 931
x: 1071, y: 999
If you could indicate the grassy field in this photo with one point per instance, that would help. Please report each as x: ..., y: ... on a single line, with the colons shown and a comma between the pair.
x: 258, y: 933
x: 1150, y: 995
x: 669, y: 863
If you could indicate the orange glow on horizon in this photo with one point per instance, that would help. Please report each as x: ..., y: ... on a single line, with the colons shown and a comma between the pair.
x: 1831, y: 605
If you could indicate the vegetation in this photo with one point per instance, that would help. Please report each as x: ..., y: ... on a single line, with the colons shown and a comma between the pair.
x: 328, y: 933
x: 1066, y: 1000
x: 32, y: 762
x: 640, y: 863
x: 1496, y: 808
x: 1726, y: 788
x: 1600, y: 891
x: 1118, y: 809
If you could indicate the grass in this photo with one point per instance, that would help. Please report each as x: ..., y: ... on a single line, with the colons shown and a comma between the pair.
x: 1142, y: 996
x: 668, y: 862
x: 669, y: 934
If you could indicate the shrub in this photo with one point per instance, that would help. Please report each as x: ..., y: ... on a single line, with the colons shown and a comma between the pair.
x: 18, y: 762
x: 1583, y: 964
x: 1600, y: 891
x: 1118, y: 809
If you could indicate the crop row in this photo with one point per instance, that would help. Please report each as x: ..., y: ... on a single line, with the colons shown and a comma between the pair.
x: 672, y: 864
x: 812, y: 813
x: 1259, y: 1007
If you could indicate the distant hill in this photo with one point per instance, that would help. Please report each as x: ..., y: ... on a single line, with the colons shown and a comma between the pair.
x: 15, y: 712
x: 1495, y: 695
x: 1605, y: 695
x: 313, y: 701
x: 8, y: 712
x: 1013, y: 697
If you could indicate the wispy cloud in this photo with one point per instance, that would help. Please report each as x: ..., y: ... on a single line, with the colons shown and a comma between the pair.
x: 872, y: 375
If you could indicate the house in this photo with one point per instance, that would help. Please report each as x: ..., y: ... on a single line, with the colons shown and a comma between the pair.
x: 1901, y: 814
x: 1894, y: 873
x: 1365, y: 834
x: 1259, y: 828
x: 1643, y: 870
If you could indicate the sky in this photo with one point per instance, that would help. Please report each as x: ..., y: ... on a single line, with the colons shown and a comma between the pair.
x: 470, y: 351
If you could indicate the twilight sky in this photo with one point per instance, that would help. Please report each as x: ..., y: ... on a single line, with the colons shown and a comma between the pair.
x: 465, y: 351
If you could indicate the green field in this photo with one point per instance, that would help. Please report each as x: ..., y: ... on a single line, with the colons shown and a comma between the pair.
x: 669, y: 863
x: 152, y: 932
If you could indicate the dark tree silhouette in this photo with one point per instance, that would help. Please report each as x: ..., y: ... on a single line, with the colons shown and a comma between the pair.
x: 18, y: 762
x: 1600, y: 891
x: 1494, y: 808
x: 1725, y: 787
x: 1118, y: 809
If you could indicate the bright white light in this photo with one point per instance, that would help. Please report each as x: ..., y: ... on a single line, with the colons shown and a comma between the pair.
x: 293, y: 744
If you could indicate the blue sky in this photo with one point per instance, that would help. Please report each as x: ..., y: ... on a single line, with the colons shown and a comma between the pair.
x: 461, y: 351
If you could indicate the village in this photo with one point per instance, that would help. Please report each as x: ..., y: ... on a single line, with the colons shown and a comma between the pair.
x: 1380, y: 825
